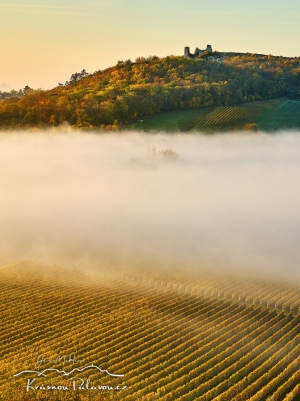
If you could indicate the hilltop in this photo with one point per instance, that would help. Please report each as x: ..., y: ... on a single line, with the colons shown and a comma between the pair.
x: 128, y: 91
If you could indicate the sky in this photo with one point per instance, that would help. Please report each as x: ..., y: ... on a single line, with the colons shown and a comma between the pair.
x: 44, y: 42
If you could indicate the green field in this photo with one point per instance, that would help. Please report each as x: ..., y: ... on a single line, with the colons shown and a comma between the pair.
x: 267, y: 115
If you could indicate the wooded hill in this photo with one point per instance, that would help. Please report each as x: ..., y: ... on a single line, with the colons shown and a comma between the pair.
x: 114, y: 97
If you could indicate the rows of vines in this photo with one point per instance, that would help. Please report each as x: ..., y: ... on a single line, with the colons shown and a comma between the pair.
x: 173, y: 337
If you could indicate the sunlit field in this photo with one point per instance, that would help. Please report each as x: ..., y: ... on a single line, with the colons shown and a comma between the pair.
x: 149, y: 267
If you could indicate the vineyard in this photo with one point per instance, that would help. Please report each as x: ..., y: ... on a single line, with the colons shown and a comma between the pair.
x: 227, y: 118
x: 167, y: 335
x: 268, y: 115
x: 287, y: 114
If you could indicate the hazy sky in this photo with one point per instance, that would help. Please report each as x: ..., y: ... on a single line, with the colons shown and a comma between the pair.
x: 44, y: 41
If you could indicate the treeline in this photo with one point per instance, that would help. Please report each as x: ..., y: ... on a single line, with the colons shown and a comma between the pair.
x: 131, y: 90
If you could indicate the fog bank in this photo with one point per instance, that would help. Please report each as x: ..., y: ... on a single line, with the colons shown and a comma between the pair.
x: 228, y: 202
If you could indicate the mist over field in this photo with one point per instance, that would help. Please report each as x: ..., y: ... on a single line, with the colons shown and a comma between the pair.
x: 229, y: 202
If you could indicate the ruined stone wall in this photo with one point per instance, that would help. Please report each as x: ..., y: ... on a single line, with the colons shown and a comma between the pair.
x: 197, y: 53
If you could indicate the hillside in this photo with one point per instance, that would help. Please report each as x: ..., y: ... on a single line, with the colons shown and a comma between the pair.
x: 112, y: 98
x: 266, y: 115
x: 170, y: 336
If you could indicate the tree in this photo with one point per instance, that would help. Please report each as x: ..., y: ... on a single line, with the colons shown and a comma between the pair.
x: 78, y: 76
x: 26, y: 89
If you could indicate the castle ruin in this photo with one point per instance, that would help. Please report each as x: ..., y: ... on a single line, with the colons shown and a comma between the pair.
x: 197, y: 52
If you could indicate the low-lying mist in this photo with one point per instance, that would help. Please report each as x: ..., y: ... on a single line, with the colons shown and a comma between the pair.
x: 228, y: 202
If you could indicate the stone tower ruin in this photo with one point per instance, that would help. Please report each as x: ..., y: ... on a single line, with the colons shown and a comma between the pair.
x: 197, y: 52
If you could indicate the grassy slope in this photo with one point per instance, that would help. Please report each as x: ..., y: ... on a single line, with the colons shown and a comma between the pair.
x: 286, y: 115
x: 269, y: 115
x: 173, y: 121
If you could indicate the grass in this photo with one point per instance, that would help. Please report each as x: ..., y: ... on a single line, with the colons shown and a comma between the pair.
x: 172, y: 121
x: 286, y: 115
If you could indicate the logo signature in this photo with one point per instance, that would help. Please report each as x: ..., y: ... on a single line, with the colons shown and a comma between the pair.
x: 77, y: 383
x: 43, y: 373
x: 59, y: 359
